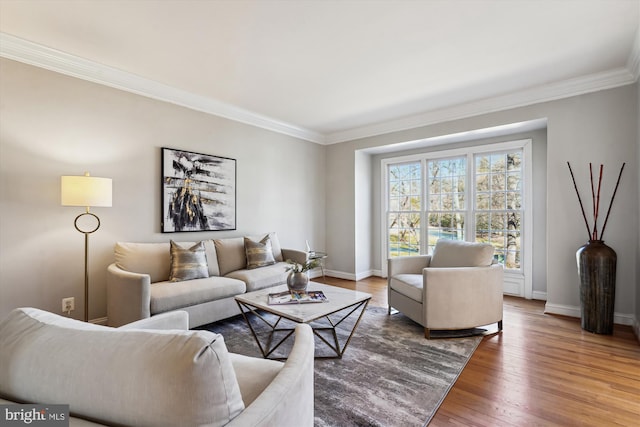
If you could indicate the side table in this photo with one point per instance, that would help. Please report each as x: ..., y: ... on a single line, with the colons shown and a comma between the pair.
x: 320, y: 256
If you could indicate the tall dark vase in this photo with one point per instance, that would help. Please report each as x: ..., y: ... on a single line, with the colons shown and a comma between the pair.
x: 597, y: 269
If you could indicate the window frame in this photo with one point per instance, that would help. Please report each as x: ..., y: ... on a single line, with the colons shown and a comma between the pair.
x: 516, y: 282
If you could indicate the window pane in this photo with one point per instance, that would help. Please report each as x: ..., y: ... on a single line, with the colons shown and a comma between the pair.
x: 434, y: 186
x: 483, y: 164
x: 497, y: 201
x: 445, y: 226
x: 482, y: 182
x: 513, y: 182
x: 434, y: 203
x: 482, y: 201
x: 497, y: 182
x: 514, y: 161
x: 497, y: 163
x: 394, y: 204
x: 514, y: 200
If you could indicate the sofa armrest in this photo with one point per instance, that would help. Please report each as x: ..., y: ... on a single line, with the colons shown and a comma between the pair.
x: 128, y: 296
x: 288, y: 400
x: 295, y: 255
x: 164, y: 321
x: 407, y: 264
x: 456, y: 298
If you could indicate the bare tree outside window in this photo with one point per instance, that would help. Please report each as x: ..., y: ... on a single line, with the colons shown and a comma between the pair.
x: 498, y: 204
x: 446, y: 192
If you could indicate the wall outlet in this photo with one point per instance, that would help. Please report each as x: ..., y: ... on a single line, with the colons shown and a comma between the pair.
x: 68, y: 305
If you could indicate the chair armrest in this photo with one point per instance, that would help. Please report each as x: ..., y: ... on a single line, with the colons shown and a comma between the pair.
x: 288, y: 400
x: 128, y: 296
x: 461, y: 297
x: 164, y: 321
x: 295, y: 255
x: 407, y: 264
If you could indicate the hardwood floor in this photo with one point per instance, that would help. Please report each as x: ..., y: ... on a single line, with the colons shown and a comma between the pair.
x: 542, y: 370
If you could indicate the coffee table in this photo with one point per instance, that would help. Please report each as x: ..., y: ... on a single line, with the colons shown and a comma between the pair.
x: 341, y: 302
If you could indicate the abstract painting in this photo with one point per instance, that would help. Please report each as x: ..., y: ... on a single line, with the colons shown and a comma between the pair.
x: 198, y: 192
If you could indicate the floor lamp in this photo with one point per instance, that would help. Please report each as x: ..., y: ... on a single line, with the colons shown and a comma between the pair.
x: 86, y: 191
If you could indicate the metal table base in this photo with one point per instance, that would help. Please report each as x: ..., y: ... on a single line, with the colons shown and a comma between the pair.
x: 272, y: 344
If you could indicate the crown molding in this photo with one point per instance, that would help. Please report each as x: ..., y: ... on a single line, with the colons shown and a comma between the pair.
x: 21, y: 50
x: 536, y: 95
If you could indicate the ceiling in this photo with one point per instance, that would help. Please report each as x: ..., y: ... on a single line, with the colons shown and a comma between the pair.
x: 329, y: 71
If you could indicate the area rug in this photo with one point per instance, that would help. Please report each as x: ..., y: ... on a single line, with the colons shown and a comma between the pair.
x: 389, y: 375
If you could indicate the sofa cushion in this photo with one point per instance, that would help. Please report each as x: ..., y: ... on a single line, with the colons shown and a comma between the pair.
x: 253, y: 375
x: 166, y: 296
x: 261, y: 278
x: 231, y: 255
x: 259, y: 254
x: 409, y: 285
x: 455, y: 253
x: 123, y: 377
x: 154, y: 259
x: 188, y: 263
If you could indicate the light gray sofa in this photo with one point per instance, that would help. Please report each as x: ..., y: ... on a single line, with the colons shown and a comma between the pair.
x: 138, y: 283
x: 142, y: 377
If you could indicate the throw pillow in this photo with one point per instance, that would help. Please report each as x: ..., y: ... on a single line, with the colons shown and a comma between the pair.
x: 259, y: 254
x: 188, y: 264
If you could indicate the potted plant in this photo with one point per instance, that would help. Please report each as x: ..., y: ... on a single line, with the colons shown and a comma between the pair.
x: 299, y: 274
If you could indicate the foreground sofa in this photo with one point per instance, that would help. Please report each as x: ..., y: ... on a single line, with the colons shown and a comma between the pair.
x: 140, y: 377
x: 139, y: 285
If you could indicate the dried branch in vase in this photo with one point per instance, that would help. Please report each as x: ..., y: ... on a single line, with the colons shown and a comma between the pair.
x: 595, y: 199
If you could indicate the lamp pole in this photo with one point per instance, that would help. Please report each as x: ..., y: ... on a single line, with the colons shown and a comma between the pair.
x: 86, y: 232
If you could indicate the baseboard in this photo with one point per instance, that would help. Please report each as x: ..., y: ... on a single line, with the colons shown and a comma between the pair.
x: 340, y: 275
x: 99, y: 321
x: 313, y: 274
x: 563, y: 310
x: 574, y: 311
x: 377, y: 273
x: 539, y: 295
x: 351, y: 276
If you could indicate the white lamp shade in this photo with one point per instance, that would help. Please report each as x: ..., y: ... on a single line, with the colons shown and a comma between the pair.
x: 85, y: 191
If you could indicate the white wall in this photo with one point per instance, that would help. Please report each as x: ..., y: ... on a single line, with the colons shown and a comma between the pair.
x: 364, y: 240
x: 53, y: 125
x: 599, y: 127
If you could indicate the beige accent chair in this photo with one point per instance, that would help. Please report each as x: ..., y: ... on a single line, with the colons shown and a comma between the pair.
x: 135, y: 376
x: 458, y: 287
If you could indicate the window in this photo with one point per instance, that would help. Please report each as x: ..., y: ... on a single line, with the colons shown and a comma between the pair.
x: 404, y: 189
x: 474, y: 194
x: 446, y: 209
x: 498, y: 204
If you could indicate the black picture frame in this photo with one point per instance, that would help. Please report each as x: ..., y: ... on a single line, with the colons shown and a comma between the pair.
x: 198, y: 192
